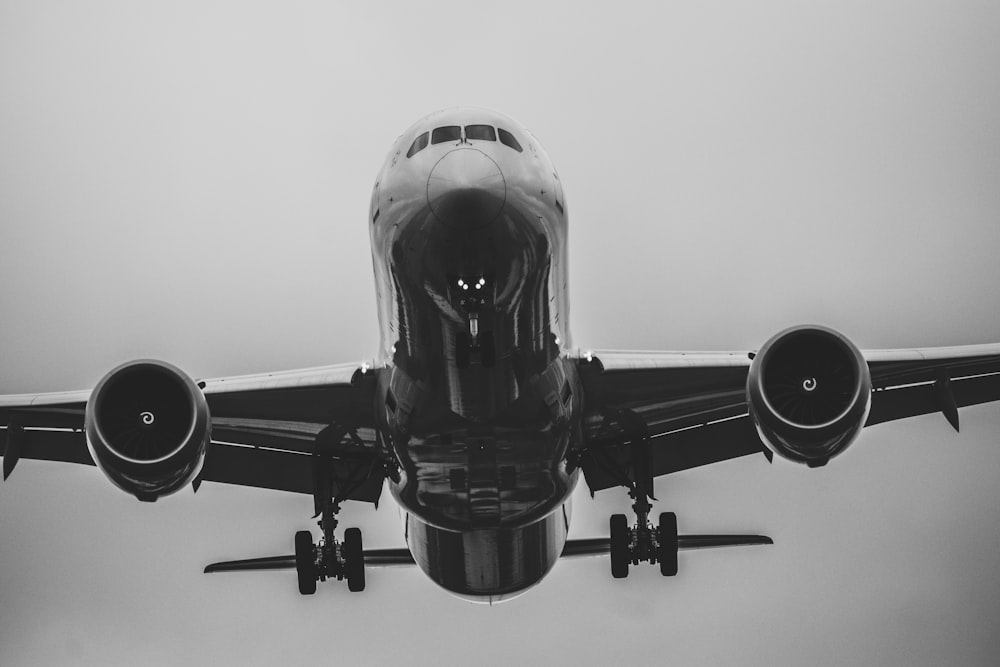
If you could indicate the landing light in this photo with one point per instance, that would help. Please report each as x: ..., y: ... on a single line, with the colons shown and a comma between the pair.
x: 479, y: 284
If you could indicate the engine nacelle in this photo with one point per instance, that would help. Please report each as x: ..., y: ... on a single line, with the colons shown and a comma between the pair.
x: 809, y: 392
x: 148, y: 427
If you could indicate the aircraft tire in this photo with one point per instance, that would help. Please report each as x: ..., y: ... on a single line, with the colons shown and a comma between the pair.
x: 619, y: 546
x: 667, y: 538
x: 305, y: 563
x: 354, y: 556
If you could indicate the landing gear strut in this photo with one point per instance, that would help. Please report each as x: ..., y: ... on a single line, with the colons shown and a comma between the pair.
x: 474, y: 294
x: 642, y: 542
x: 330, y: 559
x: 467, y: 342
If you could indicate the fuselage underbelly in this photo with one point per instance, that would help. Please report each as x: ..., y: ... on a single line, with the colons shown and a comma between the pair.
x: 479, y: 402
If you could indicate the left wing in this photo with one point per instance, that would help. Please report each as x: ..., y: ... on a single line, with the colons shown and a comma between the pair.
x: 692, y: 407
x: 265, y: 428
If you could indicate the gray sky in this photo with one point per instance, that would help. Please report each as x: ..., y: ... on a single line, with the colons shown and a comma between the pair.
x: 190, y: 180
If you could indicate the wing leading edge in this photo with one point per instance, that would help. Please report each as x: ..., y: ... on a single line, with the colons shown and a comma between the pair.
x: 692, y: 407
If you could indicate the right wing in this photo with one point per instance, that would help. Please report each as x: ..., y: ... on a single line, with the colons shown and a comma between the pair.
x: 265, y: 427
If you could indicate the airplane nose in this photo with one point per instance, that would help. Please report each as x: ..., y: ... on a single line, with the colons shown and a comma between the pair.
x: 466, y: 189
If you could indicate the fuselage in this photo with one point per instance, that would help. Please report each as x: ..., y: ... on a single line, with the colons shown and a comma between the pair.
x: 480, y: 402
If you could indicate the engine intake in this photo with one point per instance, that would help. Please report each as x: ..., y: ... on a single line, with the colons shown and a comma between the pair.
x: 809, y: 392
x: 148, y: 428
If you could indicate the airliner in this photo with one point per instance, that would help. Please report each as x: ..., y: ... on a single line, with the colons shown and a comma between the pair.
x: 477, y: 412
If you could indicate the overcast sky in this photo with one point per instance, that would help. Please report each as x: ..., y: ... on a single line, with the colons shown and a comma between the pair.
x: 190, y: 181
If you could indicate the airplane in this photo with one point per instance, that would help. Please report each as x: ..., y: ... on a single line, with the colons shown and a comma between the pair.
x: 477, y: 412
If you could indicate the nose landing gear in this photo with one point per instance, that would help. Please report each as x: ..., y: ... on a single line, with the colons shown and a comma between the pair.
x: 474, y: 295
x: 483, y: 343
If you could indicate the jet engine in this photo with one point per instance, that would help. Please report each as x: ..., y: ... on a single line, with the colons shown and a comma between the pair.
x: 148, y: 427
x: 809, y: 392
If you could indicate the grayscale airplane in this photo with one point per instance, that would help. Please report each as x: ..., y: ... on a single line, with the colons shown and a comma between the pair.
x: 477, y: 412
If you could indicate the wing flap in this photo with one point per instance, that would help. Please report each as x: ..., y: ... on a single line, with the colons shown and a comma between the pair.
x: 44, y: 444
x: 675, y: 451
x: 920, y: 399
x: 261, y: 468
x: 279, y: 470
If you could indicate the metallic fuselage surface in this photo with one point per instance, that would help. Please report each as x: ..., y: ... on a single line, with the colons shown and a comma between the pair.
x: 479, y: 402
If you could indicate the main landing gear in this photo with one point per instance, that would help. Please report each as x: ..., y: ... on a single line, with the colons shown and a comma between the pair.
x: 643, y: 542
x: 621, y: 451
x: 330, y: 559
x: 334, y: 481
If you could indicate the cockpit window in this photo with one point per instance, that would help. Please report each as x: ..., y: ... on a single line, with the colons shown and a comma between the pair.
x: 447, y: 133
x: 481, y: 132
x: 507, y: 139
x: 419, y: 144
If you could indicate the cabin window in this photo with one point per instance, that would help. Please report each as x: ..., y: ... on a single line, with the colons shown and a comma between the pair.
x: 446, y: 133
x: 419, y: 144
x: 480, y: 132
x: 507, y: 139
